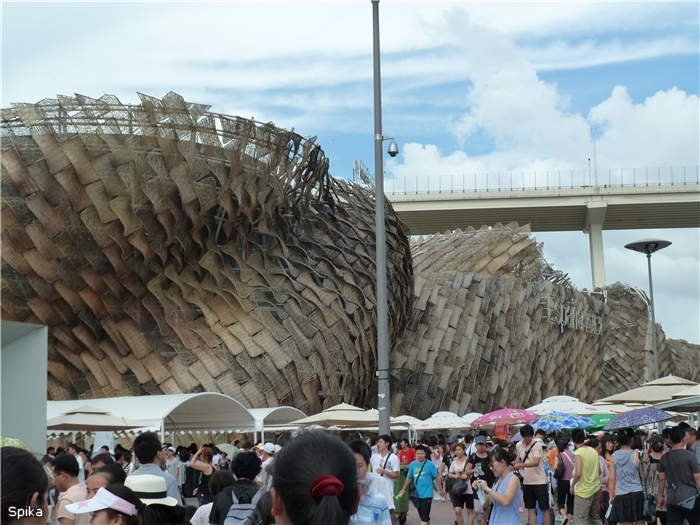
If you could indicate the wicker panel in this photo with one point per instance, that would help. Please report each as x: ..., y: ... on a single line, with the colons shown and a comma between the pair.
x: 238, y: 264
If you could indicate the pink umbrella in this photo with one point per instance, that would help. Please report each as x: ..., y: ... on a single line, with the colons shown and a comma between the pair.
x: 505, y: 416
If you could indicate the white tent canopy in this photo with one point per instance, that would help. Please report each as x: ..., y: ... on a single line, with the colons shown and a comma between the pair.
x: 274, y: 417
x: 202, y: 411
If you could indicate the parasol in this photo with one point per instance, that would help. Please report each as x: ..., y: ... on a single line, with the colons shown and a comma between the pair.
x: 505, y: 416
x: 639, y: 417
x: 559, y: 420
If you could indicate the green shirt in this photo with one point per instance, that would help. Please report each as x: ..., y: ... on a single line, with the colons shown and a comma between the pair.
x: 589, y: 483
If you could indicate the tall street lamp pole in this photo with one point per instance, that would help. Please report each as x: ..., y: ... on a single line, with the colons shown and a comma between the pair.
x: 649, y: 246
x: 382, y: 316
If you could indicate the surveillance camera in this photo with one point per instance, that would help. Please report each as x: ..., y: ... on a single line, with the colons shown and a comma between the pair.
x: 393, y: 149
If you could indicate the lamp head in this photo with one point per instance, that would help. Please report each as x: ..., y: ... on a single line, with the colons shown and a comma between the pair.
x: 393, y: 148
x: 648, y: 246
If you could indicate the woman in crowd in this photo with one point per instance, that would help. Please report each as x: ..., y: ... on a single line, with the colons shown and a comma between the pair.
x: 565, y: 499
x: 604, y: 476
x: 218, y: 482
x: 652, y: 459
x: 314, y: 482
x: 113, y: 505
x: 458, y: 473
x: 627, y: 499
x: 103, y: 477
x: 202, y: 462
x: 23, y: 484
x: 506, y: 494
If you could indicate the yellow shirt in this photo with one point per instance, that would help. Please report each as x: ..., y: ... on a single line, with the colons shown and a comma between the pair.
x: 589, y: 483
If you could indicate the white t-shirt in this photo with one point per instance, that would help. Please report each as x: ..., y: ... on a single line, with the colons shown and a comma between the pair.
x: 384, y: 486
x: 390, y: 463
x: 81, y: 466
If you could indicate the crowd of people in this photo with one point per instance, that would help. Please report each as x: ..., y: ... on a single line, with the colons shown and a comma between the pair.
x: 316, y: 479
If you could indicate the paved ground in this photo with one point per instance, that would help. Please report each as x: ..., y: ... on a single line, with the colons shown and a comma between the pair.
x: 442, y: 513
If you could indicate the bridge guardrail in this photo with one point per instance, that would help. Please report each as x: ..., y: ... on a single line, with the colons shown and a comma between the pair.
x: 544, y: 180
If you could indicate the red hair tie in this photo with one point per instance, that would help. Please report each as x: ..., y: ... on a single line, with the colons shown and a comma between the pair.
x: 326, y: 486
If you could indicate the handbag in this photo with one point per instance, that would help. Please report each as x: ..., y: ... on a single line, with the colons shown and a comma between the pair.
x: 649, y: 505
x: 460, y: 485
x: 559, y: 471
x: 413, y: 493
x: 683, y: 495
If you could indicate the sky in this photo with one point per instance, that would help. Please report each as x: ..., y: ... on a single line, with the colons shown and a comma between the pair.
x: 467, y: 88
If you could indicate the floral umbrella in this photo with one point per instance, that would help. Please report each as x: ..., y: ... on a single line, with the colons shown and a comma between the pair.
x: 635, y: 418
x: 505, y: 416
x: 559, y: 420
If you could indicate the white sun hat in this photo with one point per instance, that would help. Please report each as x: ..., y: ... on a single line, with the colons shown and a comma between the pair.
x: 150, y: 489
x: 103, y: 499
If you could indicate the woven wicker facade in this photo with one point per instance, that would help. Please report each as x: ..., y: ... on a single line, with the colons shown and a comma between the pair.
x: 173, y: 250
x: 170, y: 249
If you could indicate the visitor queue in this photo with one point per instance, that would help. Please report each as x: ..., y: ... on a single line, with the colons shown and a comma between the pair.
x: 626, y: 477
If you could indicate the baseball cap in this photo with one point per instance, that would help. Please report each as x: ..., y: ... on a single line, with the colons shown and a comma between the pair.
x: 451, y: 439
x: 480, y: 440
x: 269, y: 448
x: 103, y: 499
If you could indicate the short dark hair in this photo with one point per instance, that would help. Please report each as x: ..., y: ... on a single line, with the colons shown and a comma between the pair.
x: 405, y: 440
x: 625, y: 436
x: 237, y: 443
x: 246, y: 465
x: 666, y: 432
x: 122, y: 454
x: 677, y: 434
x: 540, y: 432
x: 66, y: 463
x: 461, y: 445
x: 432, y: 442
x: 146, y: 447
x: 386, y: 438
x: 423, y: 448
x: 104, y: 446
x: 593, y: 442
x: 219, y: 480
x: 74, y: 447
x: 114, y: 473
x: 358, y: 446
x: 103, y: 458
x: 691, y: 432
x: 578, y: 436
x: 527, y: 431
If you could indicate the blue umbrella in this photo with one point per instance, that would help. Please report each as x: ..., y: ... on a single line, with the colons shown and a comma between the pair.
x: 638, y: 417
x: 559, y: 420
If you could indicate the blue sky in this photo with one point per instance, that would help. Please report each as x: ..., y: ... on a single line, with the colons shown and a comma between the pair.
x: 467, y: 88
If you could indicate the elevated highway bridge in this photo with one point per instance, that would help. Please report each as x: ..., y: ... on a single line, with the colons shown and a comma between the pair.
x: 671, y: 199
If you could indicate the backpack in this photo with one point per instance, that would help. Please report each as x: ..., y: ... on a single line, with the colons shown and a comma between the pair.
x: 244, y: 513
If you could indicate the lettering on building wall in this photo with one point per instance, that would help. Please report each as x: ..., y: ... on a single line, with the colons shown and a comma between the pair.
x: 568, y: 316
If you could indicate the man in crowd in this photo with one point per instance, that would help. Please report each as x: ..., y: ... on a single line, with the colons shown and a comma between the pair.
x: 529, y: 453
x: 149, y: 452
x: 376, y: 482
x: 65, y: 472
x: 73, y: 451
x: 692, y: 443
x: 678, y: 467
x: 479, y: 467
x: 101, y: 460
x: 406, y: 453
x: 385, y: 463
x: 585, y: 483
x: 123, y: 459
x: 422, y: 473
x: 268, y: 453
x: 172, y: 464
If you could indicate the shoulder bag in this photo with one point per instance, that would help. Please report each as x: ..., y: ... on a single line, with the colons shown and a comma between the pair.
x: 413, y: 493
x: 460, y: 485
x: 559, y: 471
x: 649, y: 505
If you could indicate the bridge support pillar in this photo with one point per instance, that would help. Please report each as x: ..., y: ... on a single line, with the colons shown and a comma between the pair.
x: 595, y: 218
